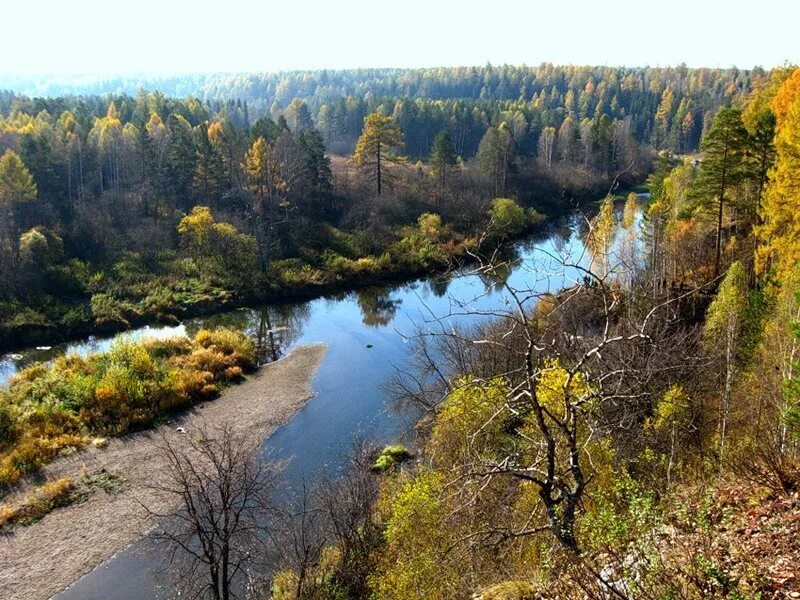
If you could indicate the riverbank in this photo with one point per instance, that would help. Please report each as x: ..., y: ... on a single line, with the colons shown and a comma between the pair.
x: 170, y: 300
x: 47, y: 556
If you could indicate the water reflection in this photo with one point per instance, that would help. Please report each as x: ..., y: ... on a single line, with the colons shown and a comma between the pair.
x: 378, y: 308
x: 439, y: 284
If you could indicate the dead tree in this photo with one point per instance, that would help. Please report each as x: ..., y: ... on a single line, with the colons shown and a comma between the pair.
x: 217, y: 493
x: 302, y: 534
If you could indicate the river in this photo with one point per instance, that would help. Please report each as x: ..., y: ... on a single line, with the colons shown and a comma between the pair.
x: 365, y: 332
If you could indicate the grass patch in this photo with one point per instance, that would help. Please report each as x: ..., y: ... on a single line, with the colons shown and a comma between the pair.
x: 103, y: 480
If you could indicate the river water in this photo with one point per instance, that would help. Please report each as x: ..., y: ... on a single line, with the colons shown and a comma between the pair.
x: 365, y: 332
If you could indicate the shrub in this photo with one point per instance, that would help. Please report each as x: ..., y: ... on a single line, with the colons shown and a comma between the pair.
x: 8, y: 426
x: 390, y: 457
x: 229, y: 341
x: 108, y: 310
x: 508, y: 217
x: 44, y: 499
x: 168, y: 347
x: 33, y: 449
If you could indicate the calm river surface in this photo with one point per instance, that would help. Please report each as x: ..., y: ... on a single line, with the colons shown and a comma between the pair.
x: 365, y: 333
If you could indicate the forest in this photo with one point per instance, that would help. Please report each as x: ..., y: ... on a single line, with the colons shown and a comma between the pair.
x: 121, y: 209
x: 633, y: 435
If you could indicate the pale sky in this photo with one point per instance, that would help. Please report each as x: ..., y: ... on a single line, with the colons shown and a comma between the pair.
x: 128, y: 37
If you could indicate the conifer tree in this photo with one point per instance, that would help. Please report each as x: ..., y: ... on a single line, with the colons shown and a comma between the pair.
x: 722, y: 167
x: 443, y: 158
x: 379, y: 141
x: 780, y: 229
x: 762, y: 148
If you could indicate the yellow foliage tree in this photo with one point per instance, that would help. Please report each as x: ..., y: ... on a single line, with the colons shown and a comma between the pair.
x: 785, y: 96
x: 780, y: 230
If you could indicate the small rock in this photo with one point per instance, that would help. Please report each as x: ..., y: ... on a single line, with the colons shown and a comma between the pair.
x: 180, y: 430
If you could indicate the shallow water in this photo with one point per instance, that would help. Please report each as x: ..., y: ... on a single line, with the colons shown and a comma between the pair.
x: 365, y: 333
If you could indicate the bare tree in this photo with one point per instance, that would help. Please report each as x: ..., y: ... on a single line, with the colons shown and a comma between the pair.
x: 337, y: 512
x: 302, y: 535
x: 348, y: 500
x: 219, y: 497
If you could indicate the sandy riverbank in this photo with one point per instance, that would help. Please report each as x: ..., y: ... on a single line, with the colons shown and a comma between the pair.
x: 44, y: 558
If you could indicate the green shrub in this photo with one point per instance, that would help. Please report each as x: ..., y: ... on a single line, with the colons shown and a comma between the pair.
x: 108, y: 310
x: 76, y: 317
x: 390, y: 457
x: 8, y: 426
x: 508, y: 218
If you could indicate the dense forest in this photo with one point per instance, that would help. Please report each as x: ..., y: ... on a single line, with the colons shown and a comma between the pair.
x: 126, y: 208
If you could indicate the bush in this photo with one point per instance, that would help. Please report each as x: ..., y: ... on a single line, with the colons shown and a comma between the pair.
x: 8, y: 426
x: 107, y: 310
x: 390, y: 457
x: 44, y: 499
x: 231, y: 342
x: 508, y: 218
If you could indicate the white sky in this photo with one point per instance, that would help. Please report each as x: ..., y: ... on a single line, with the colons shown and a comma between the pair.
x: 176, y: 36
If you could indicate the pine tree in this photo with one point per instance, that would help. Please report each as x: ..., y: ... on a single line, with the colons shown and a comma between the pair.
x: 209, y: 175
x: 265, y: 190
x: 317, y: 166
x: 181, y: 160
x: 443, y: 158
x: 379, y: 140
x: 762, y: 148
x: 722, y: 168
